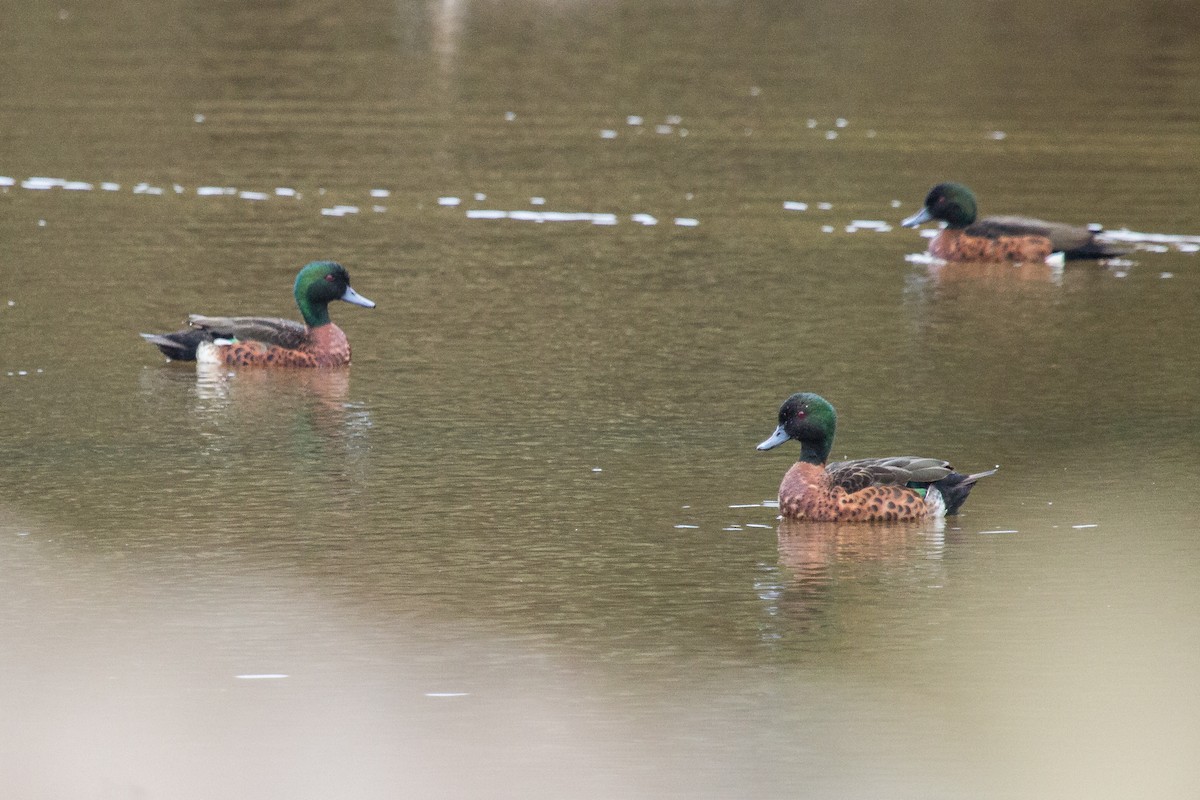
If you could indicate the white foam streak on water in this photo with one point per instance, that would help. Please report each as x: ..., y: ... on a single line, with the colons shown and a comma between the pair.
x: 526, y: 215
x: 266, y: 676
x: 868, y: 224
x: 1134, y: 237
x: 40, y: 184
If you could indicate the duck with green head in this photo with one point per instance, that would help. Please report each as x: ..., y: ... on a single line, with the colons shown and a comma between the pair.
x: 270, y: 341
x: 966, y: 238
x: 896, y: 489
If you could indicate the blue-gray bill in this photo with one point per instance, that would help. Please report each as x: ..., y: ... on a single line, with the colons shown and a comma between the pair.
x: 351, y: 296
x: 775, y: 439
x: 916, y: 219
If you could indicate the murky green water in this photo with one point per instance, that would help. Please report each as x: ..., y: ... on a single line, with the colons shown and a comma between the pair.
x: 520, y: 549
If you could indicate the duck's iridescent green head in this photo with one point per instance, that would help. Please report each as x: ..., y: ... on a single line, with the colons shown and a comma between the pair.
x: 809, y: 419
x: 952, y: 203
x: 320, y: 283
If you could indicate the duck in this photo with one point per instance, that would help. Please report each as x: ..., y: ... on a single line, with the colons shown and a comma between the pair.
x: 270, y: 341
x: 1000, y: 238
x: 895, y: 489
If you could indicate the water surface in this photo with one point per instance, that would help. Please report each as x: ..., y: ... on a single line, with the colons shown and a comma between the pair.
x: 524, y: 547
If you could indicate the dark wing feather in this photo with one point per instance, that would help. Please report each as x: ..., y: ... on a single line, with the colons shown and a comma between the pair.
x: 269, y: 330
x: 896, y: 470
x: 955, y: 487
x: 179, y: 346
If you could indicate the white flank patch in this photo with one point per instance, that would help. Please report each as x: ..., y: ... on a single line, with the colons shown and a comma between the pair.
x: 210, y: 352
x: 935, y: 503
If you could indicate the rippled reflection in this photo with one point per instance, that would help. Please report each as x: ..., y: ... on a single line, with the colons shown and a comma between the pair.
x: 825, y: 563
x: 318, y: 396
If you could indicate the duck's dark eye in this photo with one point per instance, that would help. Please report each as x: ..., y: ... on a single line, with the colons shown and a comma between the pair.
x: 329, y: 277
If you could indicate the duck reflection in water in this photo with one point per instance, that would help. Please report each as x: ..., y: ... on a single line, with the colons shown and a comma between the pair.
x: 830, y: 568
x: 997, y: 275
x: 318, y: 400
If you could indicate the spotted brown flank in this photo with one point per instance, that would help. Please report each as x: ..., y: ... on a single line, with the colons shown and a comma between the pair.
x: 808, y: 493
x: 325, y: 346
x: 957, y: 245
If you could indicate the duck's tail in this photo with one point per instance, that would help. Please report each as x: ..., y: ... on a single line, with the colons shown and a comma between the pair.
x: 955, y: 487
x: 179, y: 346
x: 1095, y: 248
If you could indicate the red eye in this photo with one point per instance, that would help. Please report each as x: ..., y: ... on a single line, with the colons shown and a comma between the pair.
x: 329, y: 278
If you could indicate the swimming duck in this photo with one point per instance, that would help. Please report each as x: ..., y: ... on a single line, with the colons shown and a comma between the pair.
x: 901, y: 489
x: 999, y: 238
x: 268, y: 341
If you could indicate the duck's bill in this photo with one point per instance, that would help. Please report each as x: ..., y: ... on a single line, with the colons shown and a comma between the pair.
x: 916, y: 219
x: 352, y: 296
x: 775, y: 439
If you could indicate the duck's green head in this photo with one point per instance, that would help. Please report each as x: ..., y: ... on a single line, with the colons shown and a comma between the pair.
x: 952, y: 203
x: 809, y: 419
x: 320, y: 283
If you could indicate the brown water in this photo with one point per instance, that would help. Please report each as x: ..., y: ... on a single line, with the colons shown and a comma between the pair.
x: 520, y: 549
